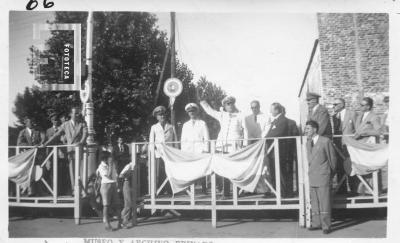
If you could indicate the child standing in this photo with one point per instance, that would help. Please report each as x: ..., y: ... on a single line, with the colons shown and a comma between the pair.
x: 108, y: 190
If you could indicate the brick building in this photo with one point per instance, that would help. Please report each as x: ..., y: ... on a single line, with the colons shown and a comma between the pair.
x: 350, y: 59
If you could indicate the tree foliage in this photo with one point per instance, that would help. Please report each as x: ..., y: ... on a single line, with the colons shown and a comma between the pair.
x: 128, y: 51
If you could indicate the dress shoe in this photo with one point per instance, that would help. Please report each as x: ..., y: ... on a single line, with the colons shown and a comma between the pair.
x: 314, y: 228
x: 326, y: 231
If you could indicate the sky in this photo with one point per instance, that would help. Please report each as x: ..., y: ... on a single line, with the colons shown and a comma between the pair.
x: 251, y: 56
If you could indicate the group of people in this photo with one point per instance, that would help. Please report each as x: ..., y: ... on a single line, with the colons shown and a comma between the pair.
x: 236, y: 131
x: 70, y: 132
x: 326, y: 152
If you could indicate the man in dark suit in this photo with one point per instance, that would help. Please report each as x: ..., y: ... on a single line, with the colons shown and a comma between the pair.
x: 31, y: 136
x: 321, y: 157
x: 291, y: 154
x: 278, y: 128
x: 121, y: 154
x: 75, y: 131
x: 318, y: 113
x: 343, y: 124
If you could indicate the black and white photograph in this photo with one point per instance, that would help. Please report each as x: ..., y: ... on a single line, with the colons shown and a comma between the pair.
x: 186, y: 123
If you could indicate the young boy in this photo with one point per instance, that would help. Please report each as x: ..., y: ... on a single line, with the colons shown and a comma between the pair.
x: 108, y: 190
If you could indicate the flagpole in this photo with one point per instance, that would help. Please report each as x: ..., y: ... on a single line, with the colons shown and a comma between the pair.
x: 172, y: 61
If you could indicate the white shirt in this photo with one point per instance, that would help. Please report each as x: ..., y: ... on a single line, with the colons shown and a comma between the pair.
x: 365, y: 115
x: 314, y: 109
x: 193, y: 133
x: 29, y: 131
x: 315, y: 139
x: 231, y: 127
x: 103, y: 171
x: 342, y: 113
x: 263, y: 121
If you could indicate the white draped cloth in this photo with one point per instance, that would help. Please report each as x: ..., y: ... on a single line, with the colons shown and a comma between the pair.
x: 366, y: 157
x: 243, y: 167
x: 20, y: 168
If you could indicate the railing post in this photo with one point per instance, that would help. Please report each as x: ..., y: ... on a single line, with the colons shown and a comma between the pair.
x: 17, y: 187
x: 55, y: 174
x: 277, y: 172
x: 375, y: 186
x: 134, y: 184
x: 77, y: 193
x: 213, y: 193
x: 153, y: 180
x: 306, y: 183
x: 300, y: 182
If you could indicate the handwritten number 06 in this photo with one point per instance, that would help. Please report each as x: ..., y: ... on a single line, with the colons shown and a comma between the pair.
x: 32, y: 4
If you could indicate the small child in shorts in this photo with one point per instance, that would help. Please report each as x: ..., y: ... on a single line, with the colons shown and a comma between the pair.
x: 108, y: 190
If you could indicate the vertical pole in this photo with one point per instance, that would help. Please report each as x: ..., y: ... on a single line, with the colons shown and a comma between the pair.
x: 306, y: 184
x: 77, y: 193
x: 55, y: 174
x: 277, y: 172
x: 213, y: 193
x: 172, y: 61
x: 375, y: 186
x: 85, y: 166
x: 18, y: 189
x: 134, y: 184
x: 89, y: 108
x: 300, y: 182
x: 153, y: 180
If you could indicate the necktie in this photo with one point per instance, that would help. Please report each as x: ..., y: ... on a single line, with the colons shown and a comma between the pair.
x: 121, y: 148
x: 312, y: 143
x: 255, y: 118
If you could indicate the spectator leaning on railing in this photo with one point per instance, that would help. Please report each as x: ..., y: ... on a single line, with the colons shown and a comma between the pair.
x: 75, y: 131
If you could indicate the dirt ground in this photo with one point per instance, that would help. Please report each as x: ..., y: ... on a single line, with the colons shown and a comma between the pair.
x: 257, y: 224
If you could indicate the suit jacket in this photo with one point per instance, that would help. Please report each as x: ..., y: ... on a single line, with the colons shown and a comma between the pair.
x: 321, y: 116
x: 253, y: 129
x: 24, y: 139
x: 159, y: 135
x: 371, y: 126
x: 322, y: 161
x: 50, y: 132
x: 122, y: 157
x: 279, y: 128
x: 293, y: 129
x: 73, y: 133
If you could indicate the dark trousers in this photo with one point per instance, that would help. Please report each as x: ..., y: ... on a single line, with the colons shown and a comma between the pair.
x: 127, y: 192
x: 321, y: 206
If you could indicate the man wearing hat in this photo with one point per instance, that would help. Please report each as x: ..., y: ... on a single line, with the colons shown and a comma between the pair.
x: 160, y: 133
x: 231, y: 134
x: 318, y: 113
x: 195, y: 136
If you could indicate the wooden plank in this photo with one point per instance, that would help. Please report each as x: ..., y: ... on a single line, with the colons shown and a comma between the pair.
x: 192, y: 192
x: 306, y: 183
x: 47, y: 158
x: 300, y: 184
x: 47, y: 185
x: 55, y: 174
x: 213, y: 193
x: 277, y: 172
x: 375, y: 186
x: 152, y: 175
x: 235, y: 194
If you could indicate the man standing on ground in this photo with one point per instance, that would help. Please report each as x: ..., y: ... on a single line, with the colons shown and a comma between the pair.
x: 318, y: 113
x: 321, y: 157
